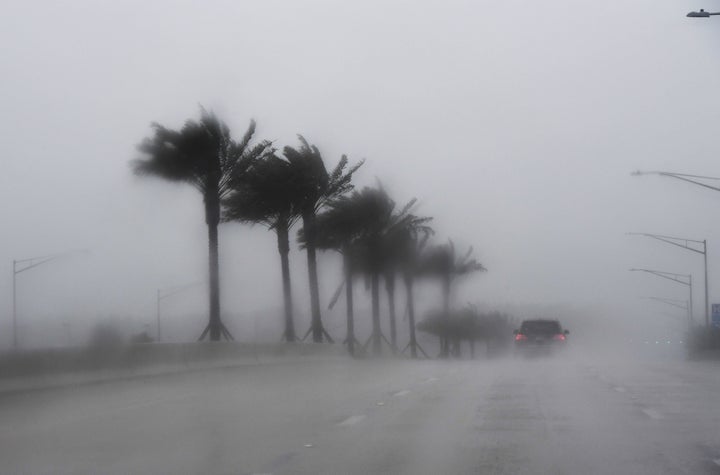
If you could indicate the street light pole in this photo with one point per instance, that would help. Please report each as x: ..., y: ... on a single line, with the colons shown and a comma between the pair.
x: 675, y: 278
x: 707, y: 302
x: 674, y: 303
x: 694, y: 180
x: 15, y: 336
x: 169, y: 292
x: 687, y: 244
x: 22, y: 265
x: 158, y: 315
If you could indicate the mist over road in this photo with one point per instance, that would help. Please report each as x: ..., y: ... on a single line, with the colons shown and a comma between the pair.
x: 552, y: 416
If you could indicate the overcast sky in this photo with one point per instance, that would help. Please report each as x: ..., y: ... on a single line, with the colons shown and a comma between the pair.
x: 515, y: 124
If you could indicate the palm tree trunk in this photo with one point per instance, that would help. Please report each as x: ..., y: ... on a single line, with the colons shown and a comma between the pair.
x: 212, y: 217
x: 390, y: 288
x: 445, y: 342
x: 411, y: 314
x: 456, y: 348
x: 349, y: 302
x: 283, y: 239
x: 309, y: 225
x: 375, y: 294
x: 446, y: 296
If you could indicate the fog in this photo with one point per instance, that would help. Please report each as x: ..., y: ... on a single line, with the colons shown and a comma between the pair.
x: 516, y: 126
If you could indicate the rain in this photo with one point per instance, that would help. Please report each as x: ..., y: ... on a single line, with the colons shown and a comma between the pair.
x: 362, y: 237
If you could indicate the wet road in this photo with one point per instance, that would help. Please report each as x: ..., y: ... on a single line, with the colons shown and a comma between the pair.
x: 545, y: 416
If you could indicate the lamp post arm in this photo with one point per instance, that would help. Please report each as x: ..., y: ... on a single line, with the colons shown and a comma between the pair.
x: 685, y: 178
x: 675, y: 279
x: 673, y: 240
x: 33, y: 264
x: 165, y: 293
x: 37, y: 261
x: 667, y: 275
x: 671, y: 302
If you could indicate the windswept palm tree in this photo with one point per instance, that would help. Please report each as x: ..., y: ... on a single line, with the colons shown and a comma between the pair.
x: 377, y: 226
x: 338, y: 229
x: 409, y: 243
x: 268, y: 194
x: 202, y: 154
x: 442, y: 262
x: 406, y: 233
x: 318, y: 186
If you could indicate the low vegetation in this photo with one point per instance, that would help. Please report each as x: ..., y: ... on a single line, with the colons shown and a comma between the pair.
x: 469, y: 325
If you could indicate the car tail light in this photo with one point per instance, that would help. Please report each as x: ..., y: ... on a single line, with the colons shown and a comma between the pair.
x: 559, y: 336
x: 520, y: 337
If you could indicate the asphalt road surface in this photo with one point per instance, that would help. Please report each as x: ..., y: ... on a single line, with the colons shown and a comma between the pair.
x: 541, y: 416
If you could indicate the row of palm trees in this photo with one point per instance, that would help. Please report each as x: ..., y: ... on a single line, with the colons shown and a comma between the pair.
x: 251, y: 182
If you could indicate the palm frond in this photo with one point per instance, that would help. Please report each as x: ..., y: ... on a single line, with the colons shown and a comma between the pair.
x: 319, y: 186
x: 467, y: 254
x: 243, y: 144
x: 337, y: 171
x: 263, y: 191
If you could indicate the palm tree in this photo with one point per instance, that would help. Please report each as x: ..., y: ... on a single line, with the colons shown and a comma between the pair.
x: 409, y: 242
x: 338, y: 229
x: 377, y: 225
x: 405, y: 235
x: 267, y: 194
x: 442, y: 262
x: 318, y: 186
x: 204, y: 155
x: 372, y: 210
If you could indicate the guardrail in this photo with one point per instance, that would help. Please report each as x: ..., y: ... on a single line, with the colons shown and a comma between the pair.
x: 137, y: 357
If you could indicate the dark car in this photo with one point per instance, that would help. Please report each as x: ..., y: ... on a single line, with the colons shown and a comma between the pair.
x: 539, y: 337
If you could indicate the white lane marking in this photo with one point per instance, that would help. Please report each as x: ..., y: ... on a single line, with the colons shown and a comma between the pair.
x: 620, y: 389
x: 380, y: 403
x: 352, y: 420
x: 402, y: 393
x: 308, y: 446
x: 652, y: 413
x: 430, y: 380
x: 716, y: 462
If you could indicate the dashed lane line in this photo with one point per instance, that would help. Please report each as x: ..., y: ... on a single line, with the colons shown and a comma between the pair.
x: 402, y: 393
x: 652, y: 413
x: 352, y: 420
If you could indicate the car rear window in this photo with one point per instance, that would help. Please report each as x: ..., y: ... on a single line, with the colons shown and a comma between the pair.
x: 542, y: 327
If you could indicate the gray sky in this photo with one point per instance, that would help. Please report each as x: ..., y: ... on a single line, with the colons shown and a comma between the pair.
x: 515, y: 124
